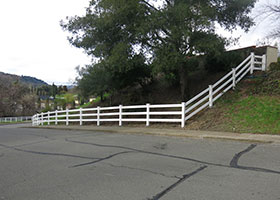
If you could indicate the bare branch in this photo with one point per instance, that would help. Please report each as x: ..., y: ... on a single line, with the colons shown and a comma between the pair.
x: 149, y: 5
x: 271, y: 12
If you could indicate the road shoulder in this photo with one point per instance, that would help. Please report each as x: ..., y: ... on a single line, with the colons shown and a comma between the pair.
x: 246, y: 137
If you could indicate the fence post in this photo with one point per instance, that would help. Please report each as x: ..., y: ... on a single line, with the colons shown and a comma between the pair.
x: 263, y: 62
x: 120, y: 115
x: 42, y: 119
x: 233, y: 78
x: 183, y: 114
x: 48, y: 117
x: 210, y: 96
x: 81, y: 116
x: 252, y: 62
x: 67, y: 117
x: 98, y: 116
x: 55, y: 117
x: 148, y: 114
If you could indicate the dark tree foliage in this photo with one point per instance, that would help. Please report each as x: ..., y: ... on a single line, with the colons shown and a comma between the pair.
x: 111, y: 32
x: 129, y: 37
x: 95, y: 80
x: 224, y: 62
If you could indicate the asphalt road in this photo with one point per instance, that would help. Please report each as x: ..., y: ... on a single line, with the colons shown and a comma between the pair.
x: 42, y: 164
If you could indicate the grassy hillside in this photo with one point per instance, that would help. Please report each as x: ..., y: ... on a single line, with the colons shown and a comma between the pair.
x: 254, y: 107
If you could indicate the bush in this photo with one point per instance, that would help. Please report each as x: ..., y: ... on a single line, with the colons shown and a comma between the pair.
x: 48, y: 108
x: 224, y: 62
x: 274, y: 66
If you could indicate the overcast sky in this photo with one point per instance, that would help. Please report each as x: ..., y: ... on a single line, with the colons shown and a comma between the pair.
x: 32, y: 42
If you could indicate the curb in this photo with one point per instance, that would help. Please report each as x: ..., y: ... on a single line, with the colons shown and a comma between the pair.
x: 251, y: 138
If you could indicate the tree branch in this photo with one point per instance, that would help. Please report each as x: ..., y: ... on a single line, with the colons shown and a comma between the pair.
x: 149, y: 5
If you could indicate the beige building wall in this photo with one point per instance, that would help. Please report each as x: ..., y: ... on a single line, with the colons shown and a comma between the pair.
x: 271, y: 55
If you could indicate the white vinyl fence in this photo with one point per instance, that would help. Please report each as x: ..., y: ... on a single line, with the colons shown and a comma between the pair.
x: 15, y: 119
x: 179, y: 113
x: 138, y: 113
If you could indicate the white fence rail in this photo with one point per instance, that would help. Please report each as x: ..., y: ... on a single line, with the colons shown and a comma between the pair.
x: 207, y: 97
x: 138, y: 113
x: 178, y: 113
x: 15, y: 119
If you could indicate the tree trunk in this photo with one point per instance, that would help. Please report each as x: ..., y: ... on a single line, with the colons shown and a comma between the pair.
x: 184, y: 84
x: 101, y: 97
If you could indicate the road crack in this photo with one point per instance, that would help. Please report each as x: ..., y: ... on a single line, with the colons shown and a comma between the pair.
x: 47, y: 153
x: 234, y: 160
x: 31, y: 143
x: 146, y: 152
x: 144, y: 170
x: 171, y: 187
x: 100, y: 159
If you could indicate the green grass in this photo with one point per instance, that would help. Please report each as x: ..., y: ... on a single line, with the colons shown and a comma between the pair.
x: 256, y: 114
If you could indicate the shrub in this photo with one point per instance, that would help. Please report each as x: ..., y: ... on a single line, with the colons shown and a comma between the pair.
x: 224, y: 62
x: 274, y: 66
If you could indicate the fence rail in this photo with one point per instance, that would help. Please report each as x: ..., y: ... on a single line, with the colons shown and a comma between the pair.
x: 178, y: 113
x: 139, y: 113
x: 15, y: 119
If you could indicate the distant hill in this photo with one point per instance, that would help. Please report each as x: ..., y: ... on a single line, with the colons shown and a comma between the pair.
x: 32, y: 80
x: 27, y: 80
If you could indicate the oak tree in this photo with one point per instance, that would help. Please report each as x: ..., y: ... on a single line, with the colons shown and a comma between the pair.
x: 165, y: 36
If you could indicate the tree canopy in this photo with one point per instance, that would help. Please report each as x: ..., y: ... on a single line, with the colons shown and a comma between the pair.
x: 130, y: 39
